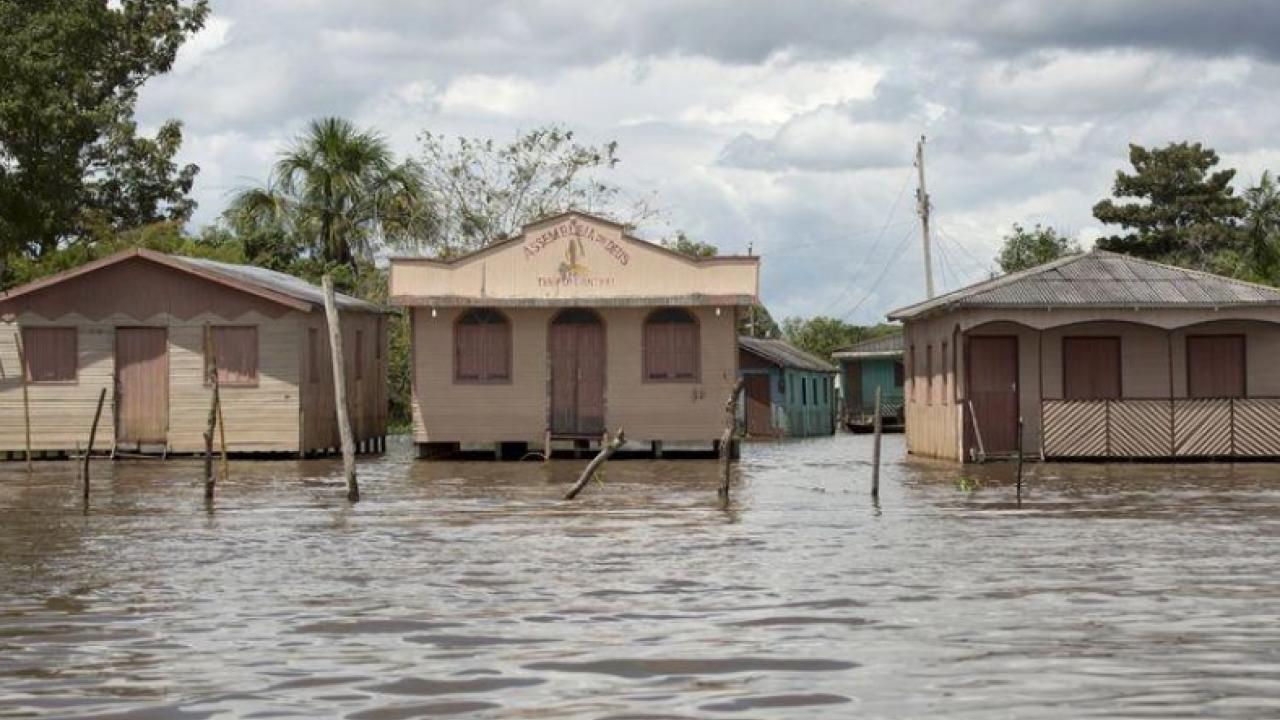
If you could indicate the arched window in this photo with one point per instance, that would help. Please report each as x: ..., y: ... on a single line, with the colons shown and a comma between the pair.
x: 482, y: 347
x: 671, y: 346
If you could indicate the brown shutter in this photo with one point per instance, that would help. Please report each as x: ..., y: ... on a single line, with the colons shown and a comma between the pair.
x: 50, y: 354
x: 1091, y: 368
x: 1216, y: 366
x: 236, y: 351
x: 684, y: 345
x: 657, y: 351
x: 482, y: 351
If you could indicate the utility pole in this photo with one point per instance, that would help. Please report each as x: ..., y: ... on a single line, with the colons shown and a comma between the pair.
x: 922, y: 207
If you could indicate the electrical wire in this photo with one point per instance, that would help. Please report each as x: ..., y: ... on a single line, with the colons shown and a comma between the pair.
x: 884, y: 272
x: 857, y: 275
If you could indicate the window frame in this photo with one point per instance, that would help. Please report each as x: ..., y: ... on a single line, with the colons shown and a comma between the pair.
x: 509, y: 360
x: 27, y: 377
x: 257, y: 359
x: 645, y: 376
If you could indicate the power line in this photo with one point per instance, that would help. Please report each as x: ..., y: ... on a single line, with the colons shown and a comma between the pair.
x: 874, y: 246
x: 884, y: 272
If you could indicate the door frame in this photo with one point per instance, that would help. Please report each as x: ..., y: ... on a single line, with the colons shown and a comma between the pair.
x: 604, y: 365
x: 970, y: 442
x: 115, y: 379
x: 748, y: 379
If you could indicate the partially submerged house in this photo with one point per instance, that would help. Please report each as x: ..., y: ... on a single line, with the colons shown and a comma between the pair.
x: 1100, y: 356
x: 787, y: 392
x: 135, y: 324
x: 867, y: 366
x: 566, y: 330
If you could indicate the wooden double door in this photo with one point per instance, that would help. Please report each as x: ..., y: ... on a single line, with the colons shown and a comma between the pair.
x: 142, y: 386
x: 577, y: 359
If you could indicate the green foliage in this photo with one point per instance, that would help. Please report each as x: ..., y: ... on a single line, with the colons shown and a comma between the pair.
x: 486, y: 191
x: 338, y: 192
x: 1184, y: 212
x: 968, y: 484
x: 756, y: 322
x: 822, y: 336
x: 686, y: 245
x: 1261, y: 231
x: 1025, y: 248
x: 69, y: 154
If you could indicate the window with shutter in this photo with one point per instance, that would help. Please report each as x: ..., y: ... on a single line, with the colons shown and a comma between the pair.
x: 49, y: 354
x: 482, y: 347
x: 1091, y: 368
x: 671, y: 346
x: 1216, y: 366
x: 235, y: 353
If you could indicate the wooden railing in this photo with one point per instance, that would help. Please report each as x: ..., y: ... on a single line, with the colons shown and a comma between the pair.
x: 1162, y: 428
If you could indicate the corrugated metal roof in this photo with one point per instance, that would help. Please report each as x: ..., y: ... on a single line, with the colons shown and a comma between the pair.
x: 282, y: 283
x: 879, y: 346
x: 780, y: 353
x: 1101, y: 279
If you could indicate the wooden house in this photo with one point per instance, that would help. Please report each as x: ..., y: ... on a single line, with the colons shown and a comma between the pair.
x: 1095, y: 356
x: 787, y: 391
x: 135, y: 324
x: 568, y: 329
x: 866, y: 366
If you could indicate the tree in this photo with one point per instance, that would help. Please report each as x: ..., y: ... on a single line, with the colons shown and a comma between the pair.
x: 756, y: 322
x: 69, y: 154
x: 486, y: 191
x: 337, y: 191
x: 822, y: 336
x: 1185, y: 213
x: 1025, y: 248
x: 1261, y: 230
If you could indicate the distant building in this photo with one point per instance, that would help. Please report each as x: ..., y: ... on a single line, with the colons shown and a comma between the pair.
x: 787, y: 392
x: 864, y: 367
x: 1099, y: 356
x: 135, y: 323
x: 569, y: 329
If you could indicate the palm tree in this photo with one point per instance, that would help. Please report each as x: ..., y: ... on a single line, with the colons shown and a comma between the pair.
x: 339, y: 191
x: 1262, y: 228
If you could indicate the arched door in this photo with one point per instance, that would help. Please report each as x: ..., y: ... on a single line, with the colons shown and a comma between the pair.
x: 576, y: 350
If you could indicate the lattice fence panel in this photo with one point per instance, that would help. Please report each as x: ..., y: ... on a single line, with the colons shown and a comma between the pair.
x: 1141, y: 428
x: 1202, y: 428
x: 1257, y: 427
x: 1075, y: 428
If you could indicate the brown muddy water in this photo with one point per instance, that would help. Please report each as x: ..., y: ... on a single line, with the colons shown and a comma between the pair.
x: 471, y: 590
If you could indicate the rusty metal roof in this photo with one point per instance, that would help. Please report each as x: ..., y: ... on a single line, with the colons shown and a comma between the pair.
x: 883, y: 346
x: 1100, y: 279
x: 783, y: 354
x: 282, y: 283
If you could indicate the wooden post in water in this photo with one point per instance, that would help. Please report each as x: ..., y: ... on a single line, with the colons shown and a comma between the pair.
x: 340, y: 391
x: 606, y: 451
x: 26, y: 399
x: 876, y: 423
x: 93, y: 433
x: 1019, y: 459
x: 726, y: 439
x: 211, y: 370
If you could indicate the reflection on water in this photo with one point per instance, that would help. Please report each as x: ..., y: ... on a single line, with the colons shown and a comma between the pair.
x: 471, y: 589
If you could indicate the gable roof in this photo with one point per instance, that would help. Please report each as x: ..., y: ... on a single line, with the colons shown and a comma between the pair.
x: 784, y: 355
x: 885, y: 346
x: 270, y: 285
x: 1101, y: 279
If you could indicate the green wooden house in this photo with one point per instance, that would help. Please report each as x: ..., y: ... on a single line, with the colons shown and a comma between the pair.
x: 788, y: 392
x: 864, y: 366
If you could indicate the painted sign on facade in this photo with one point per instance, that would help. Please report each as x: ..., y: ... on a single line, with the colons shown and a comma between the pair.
x: 588, y: 255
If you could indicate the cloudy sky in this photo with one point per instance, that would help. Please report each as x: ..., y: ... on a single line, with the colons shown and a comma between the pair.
x: 789, y: 126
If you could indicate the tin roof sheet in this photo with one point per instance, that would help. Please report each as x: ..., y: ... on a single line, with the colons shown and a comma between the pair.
x: 783, y: 354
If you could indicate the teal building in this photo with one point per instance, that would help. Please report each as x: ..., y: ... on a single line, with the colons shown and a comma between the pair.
x: 787, y: 392
x: 864, y: 366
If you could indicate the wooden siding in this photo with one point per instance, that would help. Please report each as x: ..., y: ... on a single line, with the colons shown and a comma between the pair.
x: 445, y: 411
x: 367, y: 396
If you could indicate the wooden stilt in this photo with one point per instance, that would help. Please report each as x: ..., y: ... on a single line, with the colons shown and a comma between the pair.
x: 546, y: 446
x: 730, y: 422
x: 26, y: 398
x: 657, y: 449
x: 93, y: 434
x: 876, y: 423
x: 340, y: 391
x: 606, y: 451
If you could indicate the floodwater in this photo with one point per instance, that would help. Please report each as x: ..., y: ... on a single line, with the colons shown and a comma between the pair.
x: 472, y: 590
